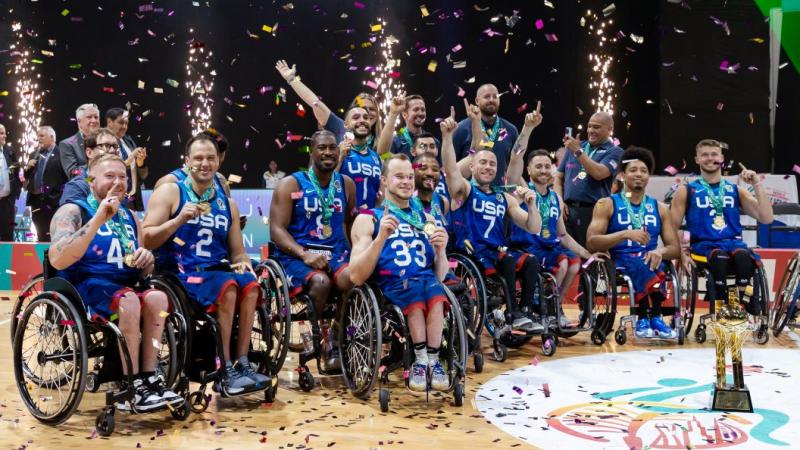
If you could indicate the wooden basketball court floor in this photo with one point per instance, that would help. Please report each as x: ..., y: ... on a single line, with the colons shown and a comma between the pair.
x: 327, y: 417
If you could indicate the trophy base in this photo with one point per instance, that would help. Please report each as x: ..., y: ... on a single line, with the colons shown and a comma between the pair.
x: 731, y: 399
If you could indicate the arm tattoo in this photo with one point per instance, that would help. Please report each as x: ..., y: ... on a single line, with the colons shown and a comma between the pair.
x: 66, y: 223
x: 518, y: 143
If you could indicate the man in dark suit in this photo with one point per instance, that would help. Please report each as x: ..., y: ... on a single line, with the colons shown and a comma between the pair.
x: 117, y: 121
x: 70, y: 150
x: 45, y: 178
x: 10, y: 187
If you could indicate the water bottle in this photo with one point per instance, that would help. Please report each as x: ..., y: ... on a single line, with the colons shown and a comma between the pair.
x: 305, y: 336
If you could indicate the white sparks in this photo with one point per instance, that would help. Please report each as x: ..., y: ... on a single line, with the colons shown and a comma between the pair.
x: 29, y: 97
x: 600, y: 60
x: 386, y: 86
x: 200, y: 82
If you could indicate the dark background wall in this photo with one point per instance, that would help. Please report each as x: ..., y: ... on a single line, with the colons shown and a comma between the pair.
x: 129, y: 41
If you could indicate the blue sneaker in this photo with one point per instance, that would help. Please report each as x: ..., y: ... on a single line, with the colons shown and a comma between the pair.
x: 643, y: 329
x: 661, y: 329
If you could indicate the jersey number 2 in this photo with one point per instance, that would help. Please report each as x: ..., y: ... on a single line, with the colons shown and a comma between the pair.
x: 207, y: 236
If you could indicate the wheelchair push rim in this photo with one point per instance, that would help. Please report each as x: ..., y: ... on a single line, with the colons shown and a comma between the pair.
x: 360, y: 341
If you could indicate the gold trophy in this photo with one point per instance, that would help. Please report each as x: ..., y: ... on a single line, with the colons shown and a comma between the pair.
x: 730, y: 327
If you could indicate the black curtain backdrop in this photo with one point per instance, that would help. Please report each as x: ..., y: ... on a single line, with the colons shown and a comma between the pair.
x: 118, y: 44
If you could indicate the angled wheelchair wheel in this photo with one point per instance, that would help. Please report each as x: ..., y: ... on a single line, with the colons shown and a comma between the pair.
x: 50, y: 342
x: 690, y: 291
x: 360, y: 340
x: 604, y: 283
x: 785, y: 307
x: 454, y: 342
x: 174, y: 351
x: 276, y: 332
x: 30, y: 290
x: 585, y: 298
x: 474, y: 303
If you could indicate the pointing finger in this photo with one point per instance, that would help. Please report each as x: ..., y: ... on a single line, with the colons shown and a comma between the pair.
x: 742, y: 166
x: 453, y: 112
x: 538, y: 105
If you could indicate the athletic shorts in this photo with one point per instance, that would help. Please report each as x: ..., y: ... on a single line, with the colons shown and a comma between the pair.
x: 551, y: 257
x: 703, y: 248
x: 206, y: 288
x: 414, y: 293
x: 489, y: 259
x: 101, y: 296
x: 298, y: 273
x: 643, y: 278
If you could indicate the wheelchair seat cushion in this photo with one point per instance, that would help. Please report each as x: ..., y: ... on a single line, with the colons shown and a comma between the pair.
x: 101, y: 295
x: 643, y: 278
x: 206, y: 288
x: 414, y: 293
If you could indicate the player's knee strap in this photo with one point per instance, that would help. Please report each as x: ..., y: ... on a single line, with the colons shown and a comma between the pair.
x: 743, y: 266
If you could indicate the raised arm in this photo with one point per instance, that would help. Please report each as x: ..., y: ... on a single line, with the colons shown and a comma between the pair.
x: 517, y: 163
x: 529, y: 220
x: 758, y: 207
x: 456, y: 184
x: 474, y: 116
x: 366, y: 250
x: 321, y: 110
x: 397, y: 106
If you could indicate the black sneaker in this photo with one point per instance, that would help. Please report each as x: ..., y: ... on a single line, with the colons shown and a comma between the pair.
x: 246, y: 369
x: 145, y: 397
x: 157, y: 384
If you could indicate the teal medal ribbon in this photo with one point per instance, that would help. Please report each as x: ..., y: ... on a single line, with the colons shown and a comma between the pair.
x: 202, y: 202
x: 116, y: 224
x: 414, y: 218
x: 492, y: 135
x: 716, y: 202
x: 406, y: 135
x: 325, y: 199
x: 637, y: 218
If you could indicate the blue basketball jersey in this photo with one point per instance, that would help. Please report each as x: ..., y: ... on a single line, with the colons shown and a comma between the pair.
x: 481, y: 220
x: 436, y: 209
x: 441, y: 188
x: 204, y: 239
x: 621, y: 220
x: 700, y: 212
x: 306, y: 225
x: 105, y: 256
x: 522, y: 238
x: 365, y: 170
x: 406, y: 254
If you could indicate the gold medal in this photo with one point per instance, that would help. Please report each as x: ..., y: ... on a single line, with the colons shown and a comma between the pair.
x: 429, y: 228
x: 545, y: 233
x: 327, y: 231
x: 129, y: 260
x: 204, y: 208
x: 719, y: 222
x: 582, y: 175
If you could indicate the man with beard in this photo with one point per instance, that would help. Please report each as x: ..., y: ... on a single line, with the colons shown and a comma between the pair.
x: 412, y: 109
x: 586, y: 173
x: 404, y: 254
x: 327, y: 118
x: 427, y: 176
x: 96, y: 247
x: 309, y: 219
x: 628, y: 225
x: 70, y: 150
x: 478, y: 215
x: 496, y: 134
x: 192, y: 223
x: 713, y: 208
x: 358, y: 160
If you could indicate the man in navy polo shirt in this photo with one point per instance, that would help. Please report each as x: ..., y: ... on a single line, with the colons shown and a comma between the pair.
x: 498, y: 134
x: 586, y: 173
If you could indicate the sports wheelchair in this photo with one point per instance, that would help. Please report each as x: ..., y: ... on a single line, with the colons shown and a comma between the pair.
x: 203, y: 356
x: 620, y: 287
x: 374, y: 341
x: 54, y: 340
x: 784, y: 311
x: 293, y: 311
x: 692, y: 287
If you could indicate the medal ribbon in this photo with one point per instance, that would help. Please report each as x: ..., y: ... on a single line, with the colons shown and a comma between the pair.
x: 116, y: 224
x: 492, y: 135
x: 638, y: 218
x: 589, y: 152
x: 326, y: 200
x: 360, y: 148
x: 412, y: 219
x: 543, y: 202
x: 406, y: 135
x: 716, y: 199
x: 207, y: 195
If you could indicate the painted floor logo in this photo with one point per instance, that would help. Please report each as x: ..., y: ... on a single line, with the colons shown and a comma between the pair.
x: 654, y: 399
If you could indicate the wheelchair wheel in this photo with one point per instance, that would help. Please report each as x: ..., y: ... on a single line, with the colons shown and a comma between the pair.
x: 30, y: 290
x: 690, y: 292
x: 474, y: 305
x: 104, y: 423
x: 604, y: 295
x: 585, y: 297
x: 278, y: 313
x: 497, y: 288
x: 785, y: 307
x: 50, y: 342
x: 454, y: 342
x: 360, y: 339
x: 175, y: 349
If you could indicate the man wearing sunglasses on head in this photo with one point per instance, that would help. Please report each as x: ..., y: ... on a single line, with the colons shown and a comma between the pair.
x: 99, y: 142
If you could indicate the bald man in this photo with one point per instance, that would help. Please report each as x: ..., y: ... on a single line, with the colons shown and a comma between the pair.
x: 497, y: 134
x: 587, y: 172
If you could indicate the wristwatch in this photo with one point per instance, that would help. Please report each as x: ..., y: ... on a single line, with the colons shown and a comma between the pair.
x: 578, y: 153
